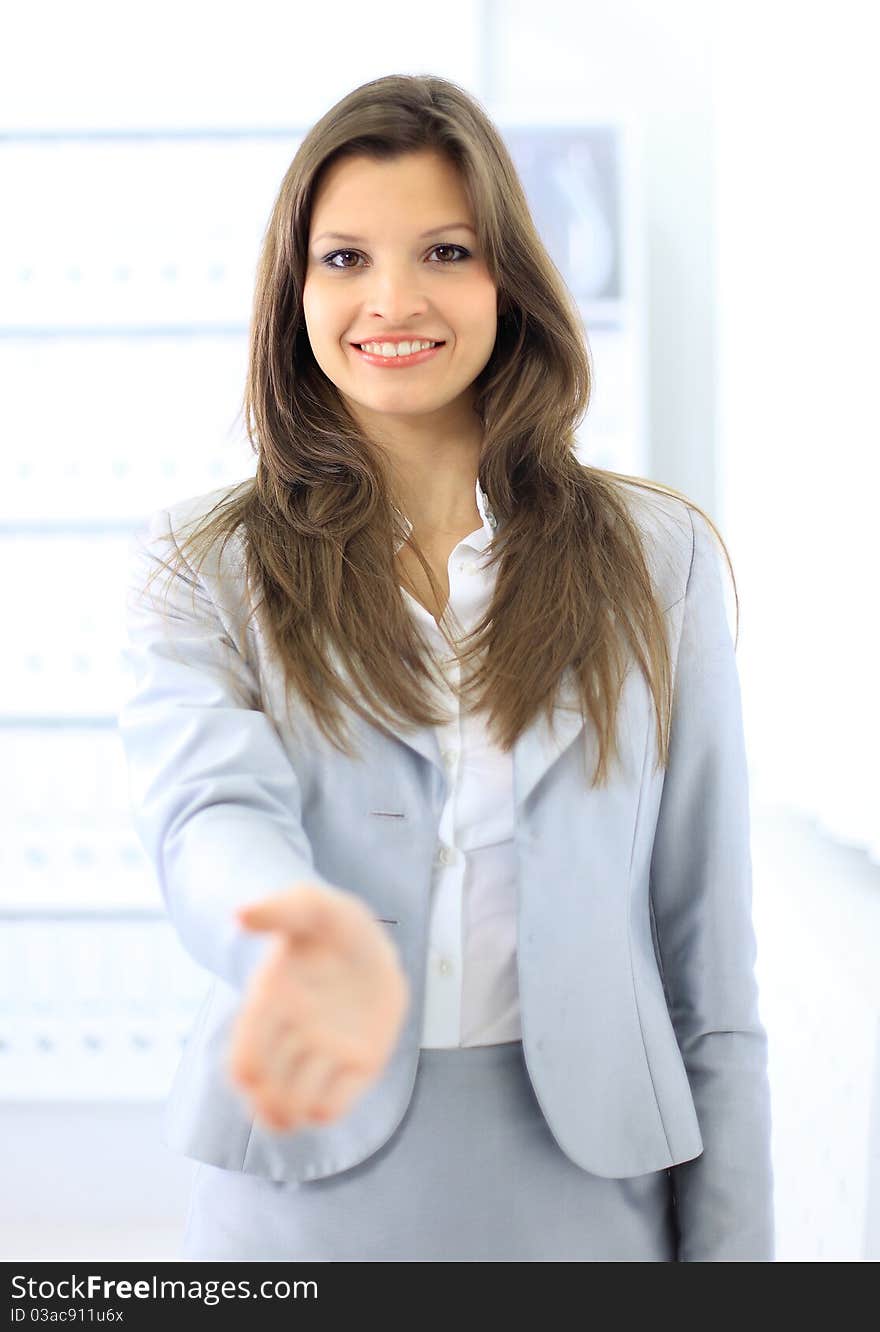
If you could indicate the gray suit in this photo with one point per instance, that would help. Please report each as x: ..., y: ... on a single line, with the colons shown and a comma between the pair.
x: 636, y: 950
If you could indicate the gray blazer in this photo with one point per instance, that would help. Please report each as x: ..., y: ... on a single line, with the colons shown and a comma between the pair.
x: 636, y: 951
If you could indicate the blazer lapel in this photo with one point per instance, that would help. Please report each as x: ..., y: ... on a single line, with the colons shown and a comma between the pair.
x: 539, y: 746
x: 534, y: 752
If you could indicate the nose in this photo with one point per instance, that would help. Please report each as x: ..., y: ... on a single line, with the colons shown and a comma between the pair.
x: 397, y: 295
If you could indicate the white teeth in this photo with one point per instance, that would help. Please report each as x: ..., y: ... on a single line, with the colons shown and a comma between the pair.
x: 390, y: 349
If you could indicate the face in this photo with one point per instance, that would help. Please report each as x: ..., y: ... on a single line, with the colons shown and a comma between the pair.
x: 389, y: 280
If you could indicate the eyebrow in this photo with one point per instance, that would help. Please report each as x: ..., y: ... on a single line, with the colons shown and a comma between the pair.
x: 434, y: 231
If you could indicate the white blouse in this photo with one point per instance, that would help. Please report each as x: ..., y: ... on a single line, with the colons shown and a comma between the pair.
x: 472, y: 991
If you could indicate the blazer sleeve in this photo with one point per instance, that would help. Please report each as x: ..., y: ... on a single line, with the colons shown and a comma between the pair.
x: 214, y: 797
x: 701, y: 895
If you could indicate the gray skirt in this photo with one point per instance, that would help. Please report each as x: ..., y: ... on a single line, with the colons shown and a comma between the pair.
x: 471, y: 1174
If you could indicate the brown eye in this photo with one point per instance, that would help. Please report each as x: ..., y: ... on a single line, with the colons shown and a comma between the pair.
x: 464, y: 253
x: 335, y: 255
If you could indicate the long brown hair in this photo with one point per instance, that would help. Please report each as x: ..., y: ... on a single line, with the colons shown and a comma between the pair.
x: 319, y: 521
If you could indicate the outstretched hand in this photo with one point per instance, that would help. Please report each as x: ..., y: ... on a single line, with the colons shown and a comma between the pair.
x: 323, y: 1010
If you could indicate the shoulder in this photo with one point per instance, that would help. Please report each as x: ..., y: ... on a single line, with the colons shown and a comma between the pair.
x: 669, y: 528
x: 183, y: 516
x: 216, y: 565
x: 168, y: 528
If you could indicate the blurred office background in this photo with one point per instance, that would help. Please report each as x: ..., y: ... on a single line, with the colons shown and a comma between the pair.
x: 704, y: 177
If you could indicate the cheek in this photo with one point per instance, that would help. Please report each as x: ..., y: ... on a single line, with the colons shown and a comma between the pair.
x: 318, y: 303
x: 326, y: 319
x: 482, y: 324
x: 481, y: 311
x: 308, y: 320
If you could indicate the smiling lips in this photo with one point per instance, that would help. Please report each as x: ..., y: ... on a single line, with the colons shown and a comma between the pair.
x: 399, y: 362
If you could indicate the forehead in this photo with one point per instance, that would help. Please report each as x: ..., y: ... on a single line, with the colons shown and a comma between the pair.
x: 409, y: 189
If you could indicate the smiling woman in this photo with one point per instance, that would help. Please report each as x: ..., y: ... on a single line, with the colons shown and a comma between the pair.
x: 557, y: 1053
x: 408, y: 281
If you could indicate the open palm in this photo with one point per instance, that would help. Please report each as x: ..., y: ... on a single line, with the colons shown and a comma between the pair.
x: 323, y: 1010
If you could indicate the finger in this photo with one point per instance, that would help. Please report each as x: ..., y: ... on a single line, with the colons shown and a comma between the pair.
x: 262, y: 1020
x: 270, y: 1112
x: 311, y: 1079
x: 300, y: 910
x: 341, y: 1091
x: 280, y: 1098
x: 284, y: 1057
x: 270, y: 1095
x: 255, y: 1034
x: 314, y: 1074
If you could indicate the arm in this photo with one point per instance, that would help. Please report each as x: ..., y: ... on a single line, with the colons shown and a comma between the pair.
x: 701, y: 890
x: 214, y: 797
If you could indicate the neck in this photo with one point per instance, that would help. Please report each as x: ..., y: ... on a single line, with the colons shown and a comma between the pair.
x: 437, y: 491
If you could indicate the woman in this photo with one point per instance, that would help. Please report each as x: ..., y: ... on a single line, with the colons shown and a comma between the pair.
x: 436, y: 746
